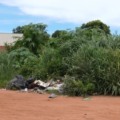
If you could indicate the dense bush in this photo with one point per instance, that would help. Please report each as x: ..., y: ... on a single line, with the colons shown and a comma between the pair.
x: 87, y: 54
x: 21, y: 56
x: 49, y: 64
x: 100, y: 66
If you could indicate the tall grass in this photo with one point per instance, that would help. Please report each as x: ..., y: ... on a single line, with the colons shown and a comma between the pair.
x: 98, y: 61
x: 6, y: 69
x: 49, y: 64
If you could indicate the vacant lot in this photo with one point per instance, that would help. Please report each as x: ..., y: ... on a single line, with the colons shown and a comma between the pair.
x: 15, y: 105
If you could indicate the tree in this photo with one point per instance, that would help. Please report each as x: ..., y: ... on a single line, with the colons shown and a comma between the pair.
x: 34, y: 37
x: 59, y: 33
x: 96, y: 24
x: 63, y: 34
x: 59, y: 37
x: 18, y: 29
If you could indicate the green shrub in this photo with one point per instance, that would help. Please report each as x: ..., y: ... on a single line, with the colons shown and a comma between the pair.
x: 23, y: 61
x: 100, y: 66
x: 7, y: 70
x: 29, y: 66
x: 21, y: 56
x: 75, y: 87
x: 49, y: 64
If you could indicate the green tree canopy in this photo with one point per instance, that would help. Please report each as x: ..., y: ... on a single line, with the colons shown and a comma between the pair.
x: 34, y: 37
x: 96, y: 24
x: 18, y: 29
x: 59, y: 33
x: 62, y: 34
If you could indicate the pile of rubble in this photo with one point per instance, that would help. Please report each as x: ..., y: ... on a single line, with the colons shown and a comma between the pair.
x: 32, y: 85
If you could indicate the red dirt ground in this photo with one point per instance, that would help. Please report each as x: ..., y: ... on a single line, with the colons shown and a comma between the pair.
x: 15, y: 105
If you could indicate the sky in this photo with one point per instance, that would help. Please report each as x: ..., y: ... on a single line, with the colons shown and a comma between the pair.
x: 58, y: 14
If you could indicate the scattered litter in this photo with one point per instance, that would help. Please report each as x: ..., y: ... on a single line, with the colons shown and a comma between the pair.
x: 32, y: 85
x: 17, y: 83
x: 87, y: 98
x: 41, y: 83
x: 52, y: 95
x: 24, y: 90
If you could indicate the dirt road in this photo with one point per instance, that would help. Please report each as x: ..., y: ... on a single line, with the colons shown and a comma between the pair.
x: 31, y: 106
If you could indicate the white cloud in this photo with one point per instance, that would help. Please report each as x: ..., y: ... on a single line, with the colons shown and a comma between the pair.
x: 74, y: 11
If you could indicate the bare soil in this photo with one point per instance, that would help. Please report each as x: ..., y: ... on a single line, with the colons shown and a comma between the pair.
x: 16, y: 105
